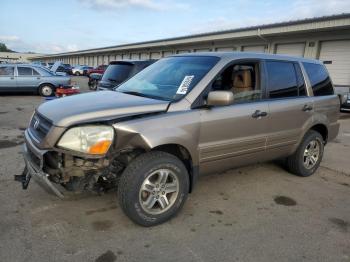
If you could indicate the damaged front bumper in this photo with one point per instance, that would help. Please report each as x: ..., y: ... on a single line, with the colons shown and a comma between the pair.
x: 33, y: 158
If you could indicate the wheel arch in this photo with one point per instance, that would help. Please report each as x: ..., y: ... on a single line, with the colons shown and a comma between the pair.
x: 182, y: 153
x: 322, y: 129
x: 46, y: 83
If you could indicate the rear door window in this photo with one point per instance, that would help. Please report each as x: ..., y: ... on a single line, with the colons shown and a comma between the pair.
x: 6, y: 71
x: 24, y: 71
x: 282, y: 79
x: 320, y: 81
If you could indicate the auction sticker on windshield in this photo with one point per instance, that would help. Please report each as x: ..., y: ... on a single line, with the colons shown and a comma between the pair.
x: 183, y: 88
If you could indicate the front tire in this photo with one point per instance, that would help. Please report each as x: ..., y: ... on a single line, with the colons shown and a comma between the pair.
x: 93, y: 85
x: 307, y: 158
x: 153, y: 188
x: 77, y: 73
x: 46, y: 90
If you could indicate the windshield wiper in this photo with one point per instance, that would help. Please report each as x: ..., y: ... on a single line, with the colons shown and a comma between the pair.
x: 143, y: 95
x: 134, y: 93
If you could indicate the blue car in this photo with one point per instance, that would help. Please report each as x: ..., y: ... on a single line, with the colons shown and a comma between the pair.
x: 30, y: 78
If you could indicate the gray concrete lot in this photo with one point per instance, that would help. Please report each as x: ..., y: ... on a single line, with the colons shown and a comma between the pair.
x: 255, y: 213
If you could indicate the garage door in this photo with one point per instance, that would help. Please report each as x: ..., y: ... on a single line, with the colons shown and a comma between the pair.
x: 106, y: 60
x: 155, y: 55
x: 336, y: 57
x: 202, y: 50
x: 135, y: 56
x: 167, y: 53
x: 225, y: 49
x: 144, y: 55
x: 254, y: 48
x: 295, y: 49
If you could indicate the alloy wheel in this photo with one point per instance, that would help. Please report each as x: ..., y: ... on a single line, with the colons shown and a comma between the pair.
x: 159, y: 191
x: 311, y: 154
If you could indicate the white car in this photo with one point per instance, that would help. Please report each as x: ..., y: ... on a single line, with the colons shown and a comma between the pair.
x: 80, y: 70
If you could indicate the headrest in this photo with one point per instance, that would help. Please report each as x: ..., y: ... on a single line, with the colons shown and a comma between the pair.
x: 242, y: 79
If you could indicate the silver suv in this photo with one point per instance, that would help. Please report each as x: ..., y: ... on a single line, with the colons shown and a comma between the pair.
x: 181, y: 117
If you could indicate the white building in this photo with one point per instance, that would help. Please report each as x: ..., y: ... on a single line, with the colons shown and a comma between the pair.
x: 325, y: 38
x: 15, y: 57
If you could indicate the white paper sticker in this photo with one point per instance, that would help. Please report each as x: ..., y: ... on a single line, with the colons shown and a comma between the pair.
x: 183, y: 88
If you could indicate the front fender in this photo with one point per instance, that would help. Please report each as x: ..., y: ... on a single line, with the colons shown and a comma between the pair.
x: 150, y: 132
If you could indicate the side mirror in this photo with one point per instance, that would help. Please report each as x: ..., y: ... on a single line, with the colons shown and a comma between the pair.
x: 220, y: 98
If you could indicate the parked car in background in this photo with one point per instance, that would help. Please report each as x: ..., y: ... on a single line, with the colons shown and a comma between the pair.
x: 59, y: 68
x: 344, y: 96
x: 181, y: 117
x: 98, y: 69
x: 81, y: 70
x: 94, y: 79
x: 345, y: 103
x: 119, y: 71
x: 30, y: 78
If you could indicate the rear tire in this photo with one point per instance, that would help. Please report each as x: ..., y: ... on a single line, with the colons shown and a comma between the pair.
x: 46, y: 90
x: 307, y: 158
x: 77, y: 73
x: 153, y: 188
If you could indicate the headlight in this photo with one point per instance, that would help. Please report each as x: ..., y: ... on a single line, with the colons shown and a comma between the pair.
x: 88, y: 139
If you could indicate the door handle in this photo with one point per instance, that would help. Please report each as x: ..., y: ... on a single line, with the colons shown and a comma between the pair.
x: 38, y: 78
x: 12, y: 78
x: 259, y: 114
x: 307, y: 107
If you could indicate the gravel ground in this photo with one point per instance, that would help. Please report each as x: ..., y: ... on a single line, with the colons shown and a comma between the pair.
x: 255, y: 213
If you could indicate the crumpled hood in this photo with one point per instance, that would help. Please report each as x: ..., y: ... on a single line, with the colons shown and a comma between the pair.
x: 98, y: 106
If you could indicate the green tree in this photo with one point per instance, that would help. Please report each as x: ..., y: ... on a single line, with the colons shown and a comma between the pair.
x: 3, y: 48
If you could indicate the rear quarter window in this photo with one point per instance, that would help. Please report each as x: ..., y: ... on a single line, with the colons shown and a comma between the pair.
x: 320, y: 81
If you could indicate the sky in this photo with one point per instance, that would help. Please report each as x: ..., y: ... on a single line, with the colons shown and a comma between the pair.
x: 55, y: 26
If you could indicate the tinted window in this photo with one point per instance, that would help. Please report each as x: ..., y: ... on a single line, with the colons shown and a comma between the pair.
x: 24, y: 71
x: 117, y: 73
x: 282, y: 81
x: 6, y: 70
x: 319, y: 79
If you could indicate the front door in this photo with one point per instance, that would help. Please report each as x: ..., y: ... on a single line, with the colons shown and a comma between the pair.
x: 234, y: 135
x: 7, y: 78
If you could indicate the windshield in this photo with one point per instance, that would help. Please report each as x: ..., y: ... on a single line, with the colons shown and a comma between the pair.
x: 170, y: 78
x: 117, y: 72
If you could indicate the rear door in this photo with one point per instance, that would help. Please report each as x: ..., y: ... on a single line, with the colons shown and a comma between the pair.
x: 289, y: 104
x: 7, y: 78
x: 26, y: 80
